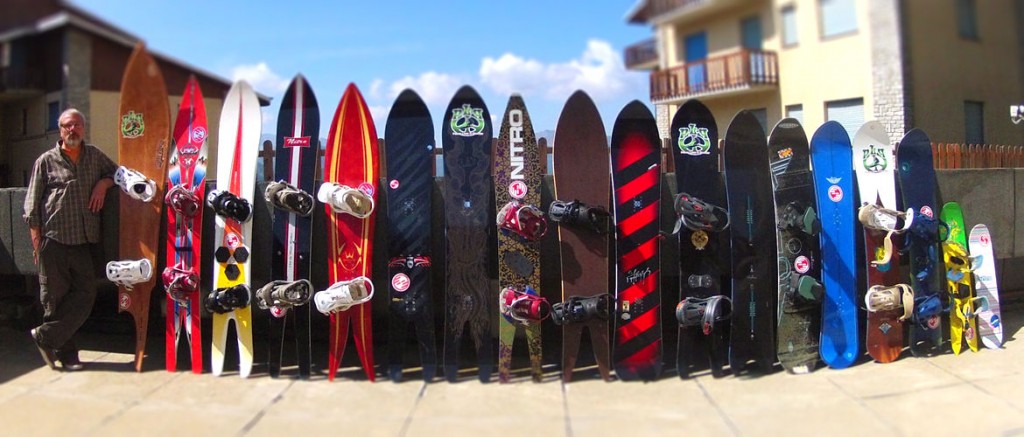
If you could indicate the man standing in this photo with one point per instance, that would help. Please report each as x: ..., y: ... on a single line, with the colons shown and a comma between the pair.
x: 65, y: 195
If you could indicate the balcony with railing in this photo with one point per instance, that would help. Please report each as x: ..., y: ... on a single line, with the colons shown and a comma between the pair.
x: 742, y: 71
x: 20, y: 79
x: 642, y: 55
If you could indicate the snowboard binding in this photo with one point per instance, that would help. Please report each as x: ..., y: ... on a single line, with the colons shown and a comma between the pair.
x: 798, y: 217
x: 958, y: 262
x: 883, y: 298
x: 180, y: 284
x: 578, y: 214
x: 343, y: 295
x: 703, y: 312
x: 581, y: 309
x: 183, y: 201
x: 135, y: 184
x: 283, y: 295
x: 227, y: 204
x: 524, y: 307
x: 287, y: 197
x: 698, y: 215
x: 128, y: 273
x: 927, y: 229
x: 882, y: 219
x: 226, y: 300
x: 526, y: 221
x: 805, y: 288
x: 345, y: 199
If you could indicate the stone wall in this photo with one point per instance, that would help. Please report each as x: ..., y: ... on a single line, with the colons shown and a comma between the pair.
x: 887, y: 67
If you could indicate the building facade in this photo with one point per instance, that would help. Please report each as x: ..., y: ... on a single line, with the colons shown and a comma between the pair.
x: 54, y: 56
x: 950, y: 67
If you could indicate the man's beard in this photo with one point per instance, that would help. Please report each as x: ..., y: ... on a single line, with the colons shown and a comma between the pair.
x: 73, y: 142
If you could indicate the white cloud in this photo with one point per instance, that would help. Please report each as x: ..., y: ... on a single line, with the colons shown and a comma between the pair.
x: 598, y: 70
x: 380, y: 117
x: 436, y: 89
x: 261, y: 77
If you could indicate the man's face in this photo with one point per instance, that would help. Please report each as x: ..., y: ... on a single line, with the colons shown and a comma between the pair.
x: 72, y: 129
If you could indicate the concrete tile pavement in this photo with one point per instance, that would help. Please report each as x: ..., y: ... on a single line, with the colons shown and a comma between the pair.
x: 977, y: 393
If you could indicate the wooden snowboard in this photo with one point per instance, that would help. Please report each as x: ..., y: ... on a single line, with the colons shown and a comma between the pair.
x: 518, y: 170
x: 755, y: 272
x: 295, y: 162
x: 799, y: 253
x: 409, y: 154
x: 581, y: 148
x: 466, y: 142
x: 142, y: 145
x: 703, y: 255
x: 875, y: 166
x: 636, y: 181
x: 187, y: 168
x: 351, y: 159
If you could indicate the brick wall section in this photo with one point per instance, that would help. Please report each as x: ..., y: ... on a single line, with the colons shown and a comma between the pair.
x: 889, y: 88
x: 78, y: 67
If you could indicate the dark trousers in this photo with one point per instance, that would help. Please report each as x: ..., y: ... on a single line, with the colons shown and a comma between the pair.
x: 67, y: 291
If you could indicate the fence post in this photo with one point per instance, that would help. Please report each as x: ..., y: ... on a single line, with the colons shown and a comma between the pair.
x: 268, y: 160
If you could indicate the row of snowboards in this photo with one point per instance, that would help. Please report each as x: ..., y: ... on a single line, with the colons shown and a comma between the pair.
x: 767, y: 252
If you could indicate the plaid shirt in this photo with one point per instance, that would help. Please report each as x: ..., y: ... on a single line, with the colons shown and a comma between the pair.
x: 58, y: 194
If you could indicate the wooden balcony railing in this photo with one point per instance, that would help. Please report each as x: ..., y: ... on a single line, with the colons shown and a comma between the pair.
x: 641, y: 53
x: 952, y: 156
x: 735, y: 71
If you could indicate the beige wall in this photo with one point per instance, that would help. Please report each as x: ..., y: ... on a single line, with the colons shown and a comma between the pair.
x: 815, y: 70
x: 947, y: 70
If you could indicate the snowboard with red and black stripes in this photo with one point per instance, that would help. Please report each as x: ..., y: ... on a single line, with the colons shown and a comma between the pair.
x: 636, y: 187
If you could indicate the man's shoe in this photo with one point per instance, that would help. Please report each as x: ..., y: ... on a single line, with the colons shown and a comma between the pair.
x: 44, y: 351
x: 71, y: 362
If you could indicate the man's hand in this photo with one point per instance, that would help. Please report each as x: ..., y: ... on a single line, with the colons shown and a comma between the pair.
x: 99, y: 194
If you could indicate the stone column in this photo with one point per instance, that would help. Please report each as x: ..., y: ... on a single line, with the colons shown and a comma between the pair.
x: 890, y: 65
x: 77, y: 72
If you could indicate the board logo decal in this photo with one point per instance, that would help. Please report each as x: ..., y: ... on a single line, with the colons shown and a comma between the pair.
x: 518, y: 189
x: 699, y: 239
x: 933, y: 322
x: 198, y: 134
x: 350, y: 256
x: 884, y: 327
x: 125, y: 301
x: 515, y: 146
x: 835, y: 193
x: 468, y: 121
x: 802, y: 264
x: 233, y: 240
x: 400, y: 282
x: 366, y: 188
x: 132, y: 125
x: 794, y: 246
x: 785, y: 153
x: 394, y: 184
x: 994, y: 321
x: 984, y: 240
x: 874, y: 159
x: 927, y: 210
x: 277, y: 311
x: 694, y: 140
x: 297, y: 141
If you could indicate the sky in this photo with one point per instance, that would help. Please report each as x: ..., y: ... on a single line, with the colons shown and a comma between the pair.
x: 543, y: 50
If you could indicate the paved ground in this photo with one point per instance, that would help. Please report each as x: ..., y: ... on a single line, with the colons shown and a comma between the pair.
x: 976, y: 393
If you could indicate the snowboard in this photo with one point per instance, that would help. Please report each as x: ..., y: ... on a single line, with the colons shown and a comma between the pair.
x: 636, y: 196
x: 295, y: 162
x: 990, y: 326
x: 703, y: 254
x: 963, y: 326
x: 581, y: 148
x: 832, y: 158
x: 753, y: 265
x: 187, y: 168
x: 141, y: 146
x: 466, y: 144
x: 916, y: 173
x: 351, y: 159
x: 409, y: 154
x: 237, y: 147
x: 799, y: 253
x: 875, y: 169
x: 518, y: 170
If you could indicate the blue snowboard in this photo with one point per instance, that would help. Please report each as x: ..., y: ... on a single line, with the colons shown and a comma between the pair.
x: 832, y: 160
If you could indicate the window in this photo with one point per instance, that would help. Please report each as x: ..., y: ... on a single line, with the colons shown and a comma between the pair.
x: 795, y: 112
x: 789, y: 26
x: 761, y: 114
x: 849, y: 113
x: 967, y: 19
x: 837, y: 17
x: 696, y: 46
x: 52, y: 115
x: 974, y: 122
x: 750, y: 32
